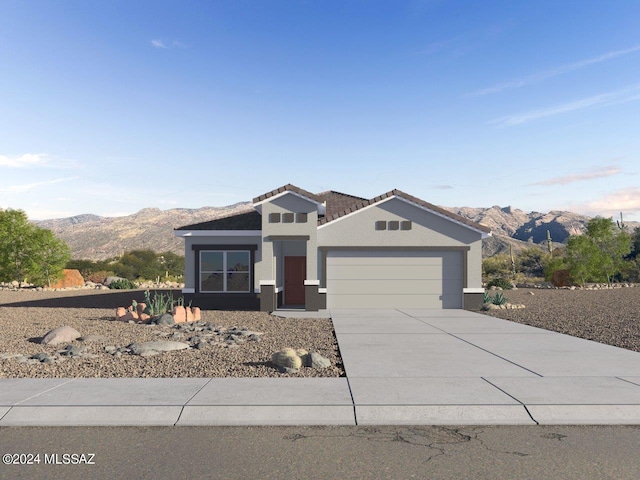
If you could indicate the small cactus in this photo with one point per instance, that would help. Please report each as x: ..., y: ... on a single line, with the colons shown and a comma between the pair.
x: 620, y: 223
x: 287, y: 358
x: 549, y: 242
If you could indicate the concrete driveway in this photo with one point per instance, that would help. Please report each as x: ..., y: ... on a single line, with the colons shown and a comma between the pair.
x: 413, y: 366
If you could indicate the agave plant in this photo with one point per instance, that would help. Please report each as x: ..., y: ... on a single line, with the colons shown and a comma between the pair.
x: 486, y: 298
x: 499, y: 299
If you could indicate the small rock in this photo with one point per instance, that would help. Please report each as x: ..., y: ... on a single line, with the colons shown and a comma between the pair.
x: 71, y: 351
x: 41, y: 357
x: 158, y: 346
x: 164, y: 319
x: 93, y: 339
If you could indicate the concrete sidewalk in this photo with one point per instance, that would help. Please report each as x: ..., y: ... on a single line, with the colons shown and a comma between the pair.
x: 448, y: 367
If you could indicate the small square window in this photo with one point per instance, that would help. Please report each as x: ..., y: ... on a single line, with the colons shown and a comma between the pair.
x: 274, y: 218
x: 301, y: 218
x: 381, y: 225
x: 405, y: 225
x: 394, y: 225
x: 287, y: 217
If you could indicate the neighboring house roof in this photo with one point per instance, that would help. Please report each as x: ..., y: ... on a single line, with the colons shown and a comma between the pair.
x: 398, y: 193
x: 249, y: 220
x: 288, y: 188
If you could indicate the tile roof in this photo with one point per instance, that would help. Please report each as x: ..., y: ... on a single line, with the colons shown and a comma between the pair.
x: 337, y: 201
x: 398, y: 193
x: 337, y: 205
x: 249, y: 220
x: 290, y: 188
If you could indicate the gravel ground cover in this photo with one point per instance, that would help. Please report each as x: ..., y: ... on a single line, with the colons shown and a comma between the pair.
x: 605, y: 316
x: 26, y: 316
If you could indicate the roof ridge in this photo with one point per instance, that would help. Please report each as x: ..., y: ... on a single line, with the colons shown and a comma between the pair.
x: 399, y: 193
x: 287, y: 188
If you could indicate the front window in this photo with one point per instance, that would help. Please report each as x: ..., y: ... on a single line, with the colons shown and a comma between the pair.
x: 224, y: 271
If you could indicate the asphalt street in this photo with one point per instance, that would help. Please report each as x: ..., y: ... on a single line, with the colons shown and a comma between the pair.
x: 382, y: 452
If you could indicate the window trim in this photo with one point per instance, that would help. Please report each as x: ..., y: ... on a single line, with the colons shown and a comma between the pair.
x: 226, y: 247
x: 225, y: 271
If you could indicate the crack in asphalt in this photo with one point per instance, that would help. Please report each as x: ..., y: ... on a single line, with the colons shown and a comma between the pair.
x: 436, y: 438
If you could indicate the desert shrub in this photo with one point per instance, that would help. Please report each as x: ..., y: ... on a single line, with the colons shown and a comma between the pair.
x: 123, y: 284
x: 497, y: 266
x: 562, y: 278
x: 530, y: 262
x: 500, y: 282
x: 555, y: 263
x: 99, y: 276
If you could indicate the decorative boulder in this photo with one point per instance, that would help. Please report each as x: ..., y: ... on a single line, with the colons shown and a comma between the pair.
x: 287, y: 358
x: 60, y: 335
x: 315, y: 360
x: 70, y: 278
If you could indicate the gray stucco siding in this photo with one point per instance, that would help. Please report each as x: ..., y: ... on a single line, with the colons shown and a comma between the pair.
x: 275, y: 249
x: 358, y: 228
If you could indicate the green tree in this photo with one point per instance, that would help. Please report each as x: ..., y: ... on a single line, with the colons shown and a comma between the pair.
x: 598, y: 255
x: 49, y: 257
x: 29, y: 253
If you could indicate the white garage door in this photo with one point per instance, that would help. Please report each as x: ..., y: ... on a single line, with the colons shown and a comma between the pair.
x: 394, y: 279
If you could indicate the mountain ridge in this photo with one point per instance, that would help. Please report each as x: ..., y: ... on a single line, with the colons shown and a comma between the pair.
x: 95, y: 237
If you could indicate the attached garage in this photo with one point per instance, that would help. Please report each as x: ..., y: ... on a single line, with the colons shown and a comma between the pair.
x: 374, y: 278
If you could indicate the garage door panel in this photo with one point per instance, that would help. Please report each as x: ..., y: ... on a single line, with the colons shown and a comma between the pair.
x: 387, y: 287
x: 410, y: 272
x: 395, y: 301
x: 435, y: 261
x: 394, y: 279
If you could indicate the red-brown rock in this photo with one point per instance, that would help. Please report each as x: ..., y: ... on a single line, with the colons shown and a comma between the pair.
x: 70, y: 278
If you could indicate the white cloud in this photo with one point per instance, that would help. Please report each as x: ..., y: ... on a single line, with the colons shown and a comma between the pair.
x: 25, y: 160
x: 538, y: 77
x: 624, y: 95
x: 156, y: 43
x: 626, y: 200
x: 607, y: 171
x: 30, y: 186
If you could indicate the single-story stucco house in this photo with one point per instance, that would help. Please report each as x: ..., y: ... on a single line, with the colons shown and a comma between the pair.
x: 333, y: 250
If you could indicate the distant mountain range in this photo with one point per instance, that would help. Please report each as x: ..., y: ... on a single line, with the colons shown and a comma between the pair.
x: 98, y: 238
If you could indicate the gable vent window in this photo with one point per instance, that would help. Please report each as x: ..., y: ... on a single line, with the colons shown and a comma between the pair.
x: 301, y: 218
x: 274, y: 218
x: 381, y: 225
x: 287, y: 217
x: 394, y: 225
x: 405, y: 225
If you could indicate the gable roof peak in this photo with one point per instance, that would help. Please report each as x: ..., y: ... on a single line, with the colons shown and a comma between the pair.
x: 288, y: 188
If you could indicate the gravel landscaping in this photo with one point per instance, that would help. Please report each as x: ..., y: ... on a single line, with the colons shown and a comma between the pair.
x: 605, y: 316
x: 26, y: 316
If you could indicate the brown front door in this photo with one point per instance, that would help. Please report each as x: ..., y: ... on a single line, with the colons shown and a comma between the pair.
x: 295, y: 273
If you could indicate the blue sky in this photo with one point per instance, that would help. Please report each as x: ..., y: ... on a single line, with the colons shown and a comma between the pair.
x: 108, y: 107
